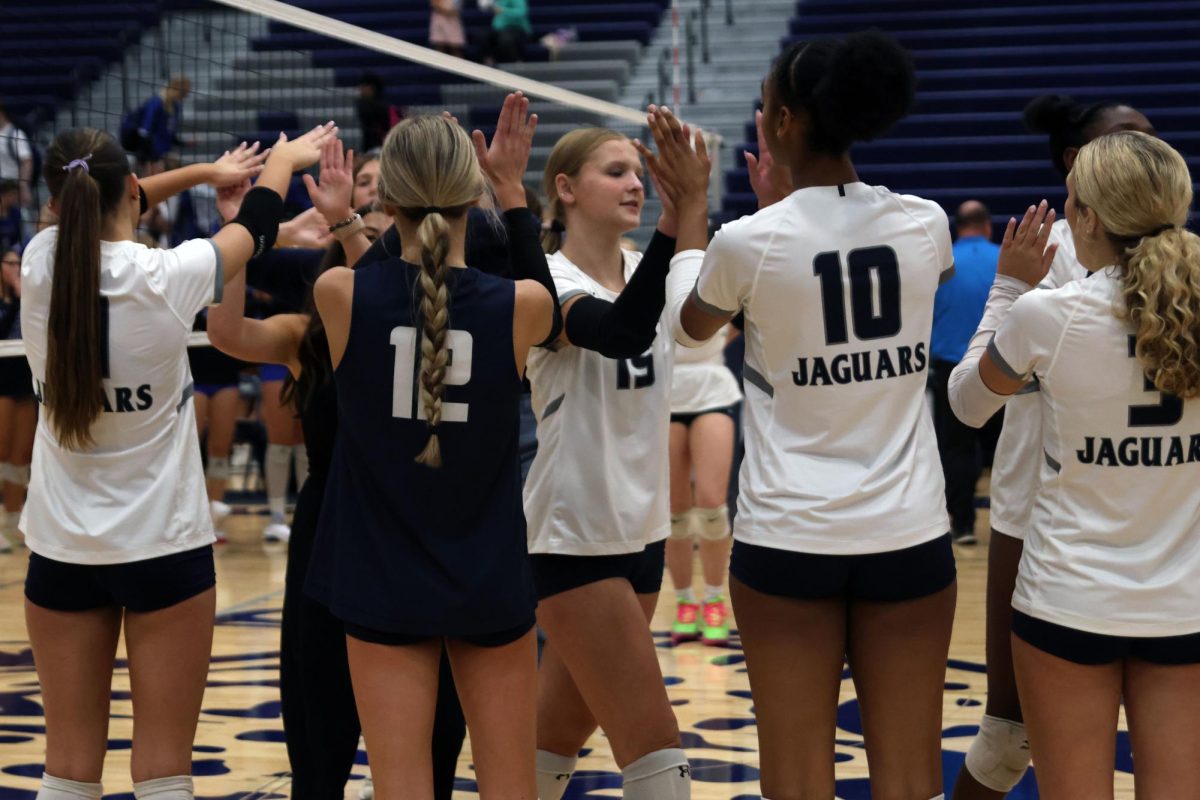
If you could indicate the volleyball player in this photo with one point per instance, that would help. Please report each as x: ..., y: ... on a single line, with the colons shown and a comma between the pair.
x: 1105, y: 610
x: 117, y: 517
x: 18, y: 414
x: 704, y: 399
x: 422, y: 540
x: 598, y: 504
x: 841, y: 550
x: 215, y: 377
x: 999, y: 754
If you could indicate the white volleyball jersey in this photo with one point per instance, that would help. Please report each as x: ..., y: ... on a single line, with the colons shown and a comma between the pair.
x: 139, y: 492
x: 1114, y: 545
x: 701, y: 381
x: 837, y: 285
x: 600, y: 482
x: 1018, y: 458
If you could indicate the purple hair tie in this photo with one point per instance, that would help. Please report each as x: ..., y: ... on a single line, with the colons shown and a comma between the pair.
x: 79, y: 162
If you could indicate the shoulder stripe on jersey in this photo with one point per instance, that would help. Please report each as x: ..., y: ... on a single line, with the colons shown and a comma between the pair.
x: 999, y: 361
x: 946, y: 275
x: 1033, y: 387
x: 565, y: 296
x: 219, y: 279
x: 753, y: 377
x: 1054, y: 465
x: 707, y: 307
x: 553, y: 406
x: 188, y: 392
x: 841, y: 190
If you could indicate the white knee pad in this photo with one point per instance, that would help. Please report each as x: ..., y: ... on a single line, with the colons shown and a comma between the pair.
x: 62, y: 789
x: 218, y: 469
x: 681, y: 526
x: 176, y: 787
x: 999, y: 755
x: 711, y: 524
x: 14, y: 474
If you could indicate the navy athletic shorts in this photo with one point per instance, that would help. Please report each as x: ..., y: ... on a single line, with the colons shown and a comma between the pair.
x: 138, y: 586
x: 887, y: 577
x: 498, y: 639
x: 554, y: 574
x: 1082, y: 647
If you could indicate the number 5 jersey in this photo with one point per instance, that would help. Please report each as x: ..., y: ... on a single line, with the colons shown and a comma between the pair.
x: 837, y: 285
x: 600, y: 482
x: 405, y: 548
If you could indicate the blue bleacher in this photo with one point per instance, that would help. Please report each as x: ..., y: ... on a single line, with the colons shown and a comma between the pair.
x: 979, y: 63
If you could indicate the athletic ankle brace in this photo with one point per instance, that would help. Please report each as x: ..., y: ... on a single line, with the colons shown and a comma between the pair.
x: 712, y: 524
x: 176, y: 787
x: 553, y: 774
x: 62, y: 789
x: 661, y: 775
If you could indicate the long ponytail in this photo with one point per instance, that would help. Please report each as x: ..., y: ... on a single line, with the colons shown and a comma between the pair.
x: 434, y: 234
x: 86, y: 171
x: 1141, y: 190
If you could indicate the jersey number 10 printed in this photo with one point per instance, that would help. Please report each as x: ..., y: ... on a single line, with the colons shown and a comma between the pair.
x: 405, y: 398
x: 874, y: 293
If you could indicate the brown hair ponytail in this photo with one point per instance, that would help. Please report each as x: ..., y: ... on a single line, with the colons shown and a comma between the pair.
x: 86, y: 171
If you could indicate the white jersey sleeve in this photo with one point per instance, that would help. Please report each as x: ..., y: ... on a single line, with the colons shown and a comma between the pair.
x: 1028, y: 338
x: 189, y: 277
x: 728, y: 273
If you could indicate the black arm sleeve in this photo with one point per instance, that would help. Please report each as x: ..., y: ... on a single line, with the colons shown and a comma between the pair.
x: 528, y: 261
x: 626, y: 327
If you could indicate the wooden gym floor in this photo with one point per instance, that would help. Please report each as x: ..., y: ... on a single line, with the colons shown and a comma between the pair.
x: 239, y: 751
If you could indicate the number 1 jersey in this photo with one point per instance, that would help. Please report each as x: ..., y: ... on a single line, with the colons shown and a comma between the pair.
x: 600, y: 482
x: 837, y: 285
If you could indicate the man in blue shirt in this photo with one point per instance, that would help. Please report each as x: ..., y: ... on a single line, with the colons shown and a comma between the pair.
x: 957, y: 309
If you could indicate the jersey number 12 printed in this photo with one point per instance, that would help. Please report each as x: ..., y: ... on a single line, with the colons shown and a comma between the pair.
x: 405, y: 398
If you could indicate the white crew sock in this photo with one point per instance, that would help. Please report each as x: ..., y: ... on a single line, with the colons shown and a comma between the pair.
x: 62, y: 789
x: 712, y: 593
x: 687, y: 595
x: 176, y: 787
x: 661, y: 775
x: 279, y: 461
x: 300, y: 459
x: 553, y: 774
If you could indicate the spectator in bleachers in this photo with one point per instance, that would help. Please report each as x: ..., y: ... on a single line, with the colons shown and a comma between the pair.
x: 155, y: 131
x: 957, y: 309
x: 510, y: 32
x: 445, y: 26
x: 375, y: 116
x: 16, y: 158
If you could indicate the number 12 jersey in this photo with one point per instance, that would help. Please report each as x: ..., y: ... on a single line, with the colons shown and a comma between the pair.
x: 837, y: 285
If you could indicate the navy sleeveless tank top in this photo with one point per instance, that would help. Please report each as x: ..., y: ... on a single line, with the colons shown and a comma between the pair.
x: 405, y: 548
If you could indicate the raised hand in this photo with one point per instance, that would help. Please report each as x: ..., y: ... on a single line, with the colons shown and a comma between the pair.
x: 229, y: 199
x: 304, y: 151
x: 332, y: 196
x: 305, y: 230
x: 770, y: 182
x: 679, y: 170
x: 1024, y: 254
x: 238, y: 165
x: 504, y: 162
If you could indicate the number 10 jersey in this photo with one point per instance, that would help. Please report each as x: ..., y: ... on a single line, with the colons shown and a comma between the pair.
x: 600, y: 482
x: 837, y: 285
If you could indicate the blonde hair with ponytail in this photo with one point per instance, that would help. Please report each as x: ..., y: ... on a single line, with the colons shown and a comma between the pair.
x: 428, y: 171
x: 569, y: 155
x: 1141, y: 191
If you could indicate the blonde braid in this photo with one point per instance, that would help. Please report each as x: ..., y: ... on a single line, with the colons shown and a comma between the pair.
x: 434, y: 234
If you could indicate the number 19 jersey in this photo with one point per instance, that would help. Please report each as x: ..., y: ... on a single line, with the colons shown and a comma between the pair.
x: 837, y: 285
x: 600, y: 482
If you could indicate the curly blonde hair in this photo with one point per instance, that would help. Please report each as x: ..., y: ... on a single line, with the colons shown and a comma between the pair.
x: 1141, y: 191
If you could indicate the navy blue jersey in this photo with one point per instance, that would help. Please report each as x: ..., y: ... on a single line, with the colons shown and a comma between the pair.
x: 403, y: 547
